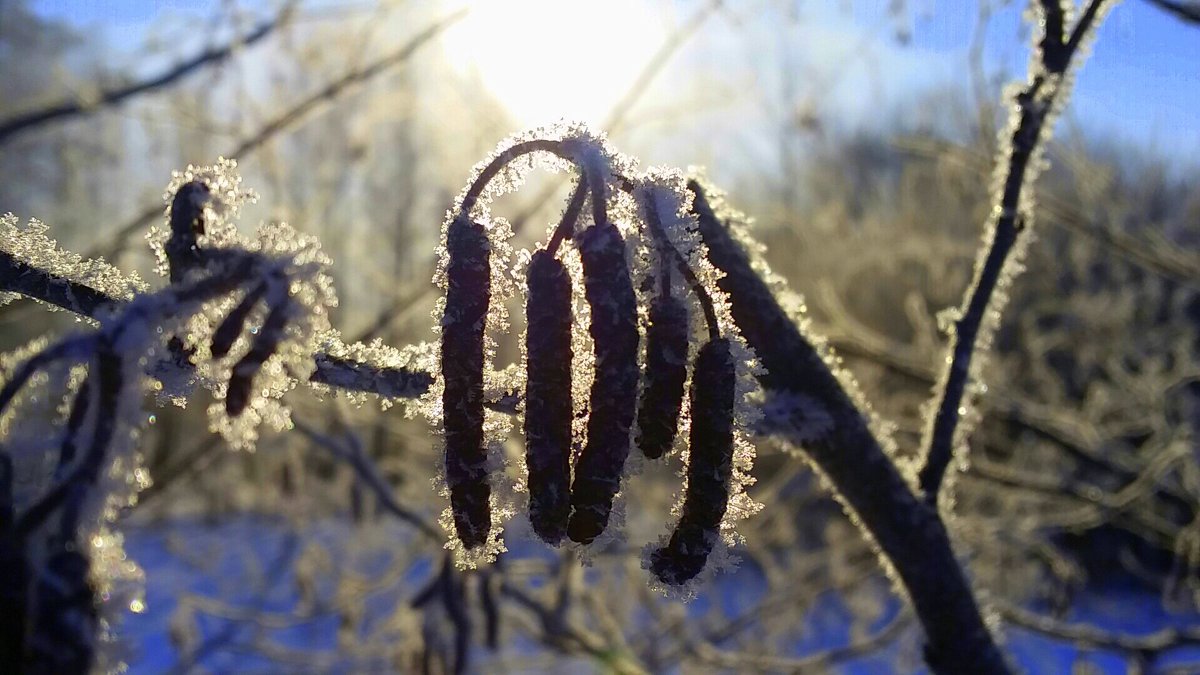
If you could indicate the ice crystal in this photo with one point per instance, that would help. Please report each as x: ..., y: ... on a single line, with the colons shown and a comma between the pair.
x: 33, y: 246
x: 220, y: 210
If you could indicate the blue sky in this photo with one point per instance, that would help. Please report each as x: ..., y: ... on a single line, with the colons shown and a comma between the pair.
x: 1141, y: 86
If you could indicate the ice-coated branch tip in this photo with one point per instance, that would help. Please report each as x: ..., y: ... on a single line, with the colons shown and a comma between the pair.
x: 1037, y: 104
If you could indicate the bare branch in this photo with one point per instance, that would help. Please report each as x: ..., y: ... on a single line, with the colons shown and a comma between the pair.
x: 76, y: 106
x: 297, y: 113
x: 1149, y: 643
x: 1185, y: 11
x: 817, y: 662
x: 350, y: 451
x: 558, y: 632
x: 1036, y: 103
x: 908, y: 531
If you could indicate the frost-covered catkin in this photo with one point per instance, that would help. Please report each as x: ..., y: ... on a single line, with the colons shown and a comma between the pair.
x: 467, y: 296
x: 609, y: 291
x: 229, y: 330
x: 266, y: 342
x: 187, y: 224
x: 710, y: 467
x: 666, y: 371
x: 548, y: 396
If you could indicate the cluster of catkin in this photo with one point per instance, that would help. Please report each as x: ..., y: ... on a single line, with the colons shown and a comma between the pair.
x: 629, y: 401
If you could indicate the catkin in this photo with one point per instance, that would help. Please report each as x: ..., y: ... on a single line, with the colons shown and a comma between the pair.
x: 710, y: 466
x: 666, y: 370
x: 609, y: 292
x: 468, y: 293
x: 265, y: 343
x: 187, y: 221
x: 226, y: 334
x: 548, y: 396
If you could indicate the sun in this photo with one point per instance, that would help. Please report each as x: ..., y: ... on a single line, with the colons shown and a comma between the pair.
x: 546, y: 60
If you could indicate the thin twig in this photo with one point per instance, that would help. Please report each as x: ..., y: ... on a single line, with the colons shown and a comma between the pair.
x: 1083, y: 634
x: 1036, y: 103
x: 1185, y: 11
x: 294, y: 115
x: 817, y: 662
x: 352, y: 453
x: 79, y: 105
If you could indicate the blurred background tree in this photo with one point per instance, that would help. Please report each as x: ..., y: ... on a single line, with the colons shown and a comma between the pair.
x: 861, y: 137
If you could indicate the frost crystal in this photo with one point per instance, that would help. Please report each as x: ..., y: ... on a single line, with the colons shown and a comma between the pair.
x: 32, y: 246
x: 220, y: 211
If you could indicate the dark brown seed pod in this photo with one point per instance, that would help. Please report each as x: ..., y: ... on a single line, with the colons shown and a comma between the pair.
x: 613, y: 400
x: 266, y: 342
x: 666, y: 371
x: 226, y: 334
x: 710, y: 467
x: 548, y: 396
x: 468, y: 292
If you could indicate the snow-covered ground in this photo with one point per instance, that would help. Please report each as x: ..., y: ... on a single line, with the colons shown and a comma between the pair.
x: 251, y: 563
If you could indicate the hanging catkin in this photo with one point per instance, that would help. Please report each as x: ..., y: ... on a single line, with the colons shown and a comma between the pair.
x: 468, y: 292
x: 710, y: 465
x: 609, y: 292
x: 666, y: 370
x: 226, y: 333
x: 548, y: 396
x: 265, y: 343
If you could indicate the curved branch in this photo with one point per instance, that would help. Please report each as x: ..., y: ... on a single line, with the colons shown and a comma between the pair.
x: 908, y: 531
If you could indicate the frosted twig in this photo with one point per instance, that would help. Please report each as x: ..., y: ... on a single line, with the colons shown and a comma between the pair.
x: 1036, y: 103
x: 654, y: 222
x: 910, y: 534
x: 81, y: 299
x: 18, y: 276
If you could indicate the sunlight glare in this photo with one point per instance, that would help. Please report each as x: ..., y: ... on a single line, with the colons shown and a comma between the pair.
x: 550, y: 59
